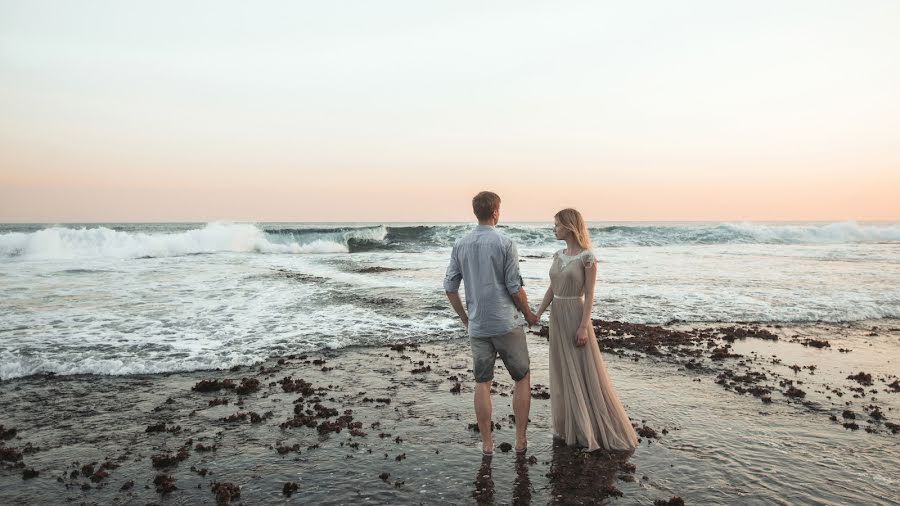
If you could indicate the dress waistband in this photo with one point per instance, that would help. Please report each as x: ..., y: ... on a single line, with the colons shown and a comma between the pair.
x: 578, y: 297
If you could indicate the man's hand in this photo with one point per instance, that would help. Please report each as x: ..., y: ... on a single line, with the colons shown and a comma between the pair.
x: 531, y: 318
x: 457, y: 304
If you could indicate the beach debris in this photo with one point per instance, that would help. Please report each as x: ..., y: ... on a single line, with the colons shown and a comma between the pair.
x: 815, y: 343
x: 236, y: 417
x: 218, y: 402
x: 225, y: 492
x: 539, y: 391
x: 201, y: 472
x: 165, y: 483
x: 7, y: 433
x: 247, y: 386
x: 163, y: 460
x: 647, y: 432
x: 289, y: 488
x: 384, y: 476
x: 99, y: 475
x: 794, y: 392
x: 29, y: 473
x: 213, y: 385
x: 674, y: 501
x: 862, y: 378
x: 504, y: 447
x: 256, y: 418
x: 731, y: 333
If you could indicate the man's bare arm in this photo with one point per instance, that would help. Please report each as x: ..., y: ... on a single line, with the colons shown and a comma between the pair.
x: 457, y: 304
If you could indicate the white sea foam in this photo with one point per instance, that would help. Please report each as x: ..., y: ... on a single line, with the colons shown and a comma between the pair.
x: 842, y: 232
x: 73, y: 243
x: 67, y: 309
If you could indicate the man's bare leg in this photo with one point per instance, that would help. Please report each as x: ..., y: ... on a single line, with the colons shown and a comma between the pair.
x: 521, y: 407
x: 483, y: 413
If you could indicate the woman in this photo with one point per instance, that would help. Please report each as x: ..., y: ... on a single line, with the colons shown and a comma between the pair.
x: 585, y: 408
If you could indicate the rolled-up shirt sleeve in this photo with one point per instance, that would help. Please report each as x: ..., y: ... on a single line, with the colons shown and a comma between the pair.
x: 454, y: 274
x: 511, y: 270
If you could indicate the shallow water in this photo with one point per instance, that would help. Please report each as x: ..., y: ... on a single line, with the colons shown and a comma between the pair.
x: 135, y: 299
x: 720, y: 447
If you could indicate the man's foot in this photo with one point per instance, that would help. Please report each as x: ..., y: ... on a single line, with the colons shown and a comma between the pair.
x: 522, y: 447
x: 487, y: 451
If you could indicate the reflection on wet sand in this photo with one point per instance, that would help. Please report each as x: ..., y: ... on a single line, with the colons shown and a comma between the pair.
x: 484, y: 483
x: 580, y: 477
x: 522, y: 487
x: 576, y: 477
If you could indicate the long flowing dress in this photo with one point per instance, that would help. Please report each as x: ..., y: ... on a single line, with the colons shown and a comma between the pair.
x: 585, y: 408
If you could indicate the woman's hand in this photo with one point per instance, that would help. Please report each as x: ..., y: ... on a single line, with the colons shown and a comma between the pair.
x: 581, y: 336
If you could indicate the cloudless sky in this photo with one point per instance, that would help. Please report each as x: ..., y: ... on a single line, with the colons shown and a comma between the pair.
x: 402, y: 110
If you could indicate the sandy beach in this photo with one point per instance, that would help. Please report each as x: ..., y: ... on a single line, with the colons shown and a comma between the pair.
x: 748, y: 414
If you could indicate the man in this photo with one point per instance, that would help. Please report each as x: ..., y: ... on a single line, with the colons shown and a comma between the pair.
x: 488, y: 263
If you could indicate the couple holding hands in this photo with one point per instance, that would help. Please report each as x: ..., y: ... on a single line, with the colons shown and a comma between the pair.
x: 585, y: 409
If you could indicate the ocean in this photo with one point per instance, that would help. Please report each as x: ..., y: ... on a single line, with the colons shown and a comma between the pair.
x: 123, y: 299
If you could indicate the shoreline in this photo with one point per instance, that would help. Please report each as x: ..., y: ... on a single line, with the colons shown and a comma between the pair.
x: 673, y: 323
x: 692, y: 402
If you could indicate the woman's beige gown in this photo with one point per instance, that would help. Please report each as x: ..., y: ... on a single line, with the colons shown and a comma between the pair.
x: 585, y: 408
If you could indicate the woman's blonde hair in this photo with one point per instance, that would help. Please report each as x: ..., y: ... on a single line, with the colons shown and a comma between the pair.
x: 572, y: 221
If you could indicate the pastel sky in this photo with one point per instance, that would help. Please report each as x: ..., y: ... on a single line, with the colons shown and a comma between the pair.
x: 402, y: 110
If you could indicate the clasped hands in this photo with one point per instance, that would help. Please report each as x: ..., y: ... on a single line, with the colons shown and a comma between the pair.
x: 532, y: 318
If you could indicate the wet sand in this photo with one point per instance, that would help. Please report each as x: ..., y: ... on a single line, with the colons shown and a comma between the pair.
x: 728, y: 414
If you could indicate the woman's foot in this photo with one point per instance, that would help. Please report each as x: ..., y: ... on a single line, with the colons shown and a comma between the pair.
x: 487, y: 451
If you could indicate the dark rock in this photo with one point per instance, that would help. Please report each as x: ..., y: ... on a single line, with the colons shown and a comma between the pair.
x: 163, y: 460
x: 247, y: 386
x: 165, y: 484
x: 99, y: 476
x: 213, y: 385
x: 225, y: 492
x: 862, y: 378
x: 647, y: 432
x: 7, y: 432
x: 9, y: 454
x: 675, y: 501
x: 29, y: 473
x: 794, y: 392
x: 201, y: 472
x: 289, y: 488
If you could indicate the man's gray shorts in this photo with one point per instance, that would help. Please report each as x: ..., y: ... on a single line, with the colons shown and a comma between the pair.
x: 513, y: 351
